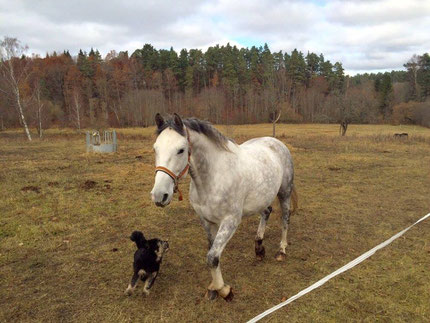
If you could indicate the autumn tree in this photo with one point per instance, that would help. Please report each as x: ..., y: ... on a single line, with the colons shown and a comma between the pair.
x: 38, y: 89
x: 224, y: 84
x: 73, y: 94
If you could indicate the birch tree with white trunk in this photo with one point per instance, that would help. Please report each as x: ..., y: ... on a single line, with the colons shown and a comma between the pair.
x: 10, y: 51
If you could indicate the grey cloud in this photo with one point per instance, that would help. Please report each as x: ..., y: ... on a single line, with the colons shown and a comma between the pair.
x: 376, y: 34
x: 138, y: 14
x: 359, y: 13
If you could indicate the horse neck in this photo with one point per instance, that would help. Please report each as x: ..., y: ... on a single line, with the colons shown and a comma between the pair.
x: 204, y: 155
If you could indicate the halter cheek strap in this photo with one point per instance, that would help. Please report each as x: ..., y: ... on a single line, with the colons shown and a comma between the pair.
x: 172, y: 174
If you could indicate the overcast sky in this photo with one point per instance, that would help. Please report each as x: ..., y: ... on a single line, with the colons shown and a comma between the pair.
x: 366, y: 35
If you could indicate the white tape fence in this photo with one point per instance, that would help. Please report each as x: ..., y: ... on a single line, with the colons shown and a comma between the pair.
x: 349, y: 265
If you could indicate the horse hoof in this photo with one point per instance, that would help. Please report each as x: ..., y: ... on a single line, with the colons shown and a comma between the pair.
x: 260, y: 252
x: 224, y: 291
x: 280, y: 256
x: 211, y: 294
x: 230, y: 296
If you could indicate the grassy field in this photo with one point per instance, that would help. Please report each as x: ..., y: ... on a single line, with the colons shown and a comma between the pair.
x: 65, y: 218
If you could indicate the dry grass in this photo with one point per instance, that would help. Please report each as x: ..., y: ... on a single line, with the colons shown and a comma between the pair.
x: 58, y: 235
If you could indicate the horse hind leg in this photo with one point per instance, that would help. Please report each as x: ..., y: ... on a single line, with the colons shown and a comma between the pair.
x: 259, y: 248
x: 284, y: 201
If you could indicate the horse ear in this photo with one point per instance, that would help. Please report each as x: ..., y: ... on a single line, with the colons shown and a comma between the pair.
x: 159, y: 121
x: 178, y: 120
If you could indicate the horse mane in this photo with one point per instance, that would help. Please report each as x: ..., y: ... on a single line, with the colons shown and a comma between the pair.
x: 200, y: 126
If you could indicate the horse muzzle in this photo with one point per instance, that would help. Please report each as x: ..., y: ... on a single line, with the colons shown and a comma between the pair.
x: 161, y: 199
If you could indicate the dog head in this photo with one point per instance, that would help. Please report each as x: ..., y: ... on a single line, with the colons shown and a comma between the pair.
x: 139, y: 238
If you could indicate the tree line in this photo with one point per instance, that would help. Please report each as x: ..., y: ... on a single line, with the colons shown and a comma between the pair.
x: 223, y: 84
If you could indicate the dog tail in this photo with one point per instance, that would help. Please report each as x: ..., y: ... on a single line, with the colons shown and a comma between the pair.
x: 139, y: 238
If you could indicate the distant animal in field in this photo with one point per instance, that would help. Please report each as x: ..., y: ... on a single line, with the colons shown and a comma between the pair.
x: 147, y: 261
x: 401, y: 135
x: 228, y: 181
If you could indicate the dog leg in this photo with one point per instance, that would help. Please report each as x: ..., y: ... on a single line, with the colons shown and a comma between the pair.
x: 132, y: 284
x: 149, y: 282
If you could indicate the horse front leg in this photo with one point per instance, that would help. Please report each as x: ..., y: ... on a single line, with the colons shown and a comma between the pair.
x: 211, y: 231
x: 226, y: 230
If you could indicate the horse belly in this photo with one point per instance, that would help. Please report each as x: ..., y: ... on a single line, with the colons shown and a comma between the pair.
x: 257, y: 202
x: 263, y: 187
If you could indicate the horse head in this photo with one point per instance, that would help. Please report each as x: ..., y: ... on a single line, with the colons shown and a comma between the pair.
x: 172, y: 154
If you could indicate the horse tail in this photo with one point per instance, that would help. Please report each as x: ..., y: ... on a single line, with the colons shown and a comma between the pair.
x: 294, y: 201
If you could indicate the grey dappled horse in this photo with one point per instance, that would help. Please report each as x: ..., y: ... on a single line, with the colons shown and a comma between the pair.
x: 228, y: 181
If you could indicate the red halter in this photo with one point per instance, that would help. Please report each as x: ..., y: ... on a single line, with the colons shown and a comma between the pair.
x: 173, y: 175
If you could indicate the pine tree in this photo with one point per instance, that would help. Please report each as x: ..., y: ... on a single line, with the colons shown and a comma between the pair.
x: 182, y: 68
x: 267, y: 65
x: 297, y: 68
x: 83, y: 64
x: 424, y: 75
x: 384, y: 88
x: 339, y: 77
x: 312, y: 66
x: 412, y: 67
x: 254, y: 63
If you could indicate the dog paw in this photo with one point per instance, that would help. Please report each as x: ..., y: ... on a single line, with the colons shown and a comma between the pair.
x: 129, y: 290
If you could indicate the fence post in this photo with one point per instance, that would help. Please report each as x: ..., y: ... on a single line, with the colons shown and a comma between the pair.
x: 88, y: 141
x: 114, y: 140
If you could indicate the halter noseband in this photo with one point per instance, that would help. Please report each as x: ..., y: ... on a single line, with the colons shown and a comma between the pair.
x: 172, y: 174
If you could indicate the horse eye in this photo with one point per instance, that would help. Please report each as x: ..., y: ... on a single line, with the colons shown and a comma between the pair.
x: 180, y: 151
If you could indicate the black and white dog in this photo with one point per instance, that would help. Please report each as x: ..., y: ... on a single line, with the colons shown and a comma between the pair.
x: 147, y: 260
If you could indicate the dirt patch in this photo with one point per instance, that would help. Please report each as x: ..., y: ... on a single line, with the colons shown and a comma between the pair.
x: 334, y: 169
x: 89, y: 184
x: 31, y: 189
x: 53, y: 184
